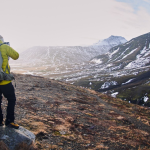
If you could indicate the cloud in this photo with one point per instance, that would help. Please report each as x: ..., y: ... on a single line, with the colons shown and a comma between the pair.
x: 136, y: 4
x: 148, y: 1
x: 135, y: 23
x: 49, y: 22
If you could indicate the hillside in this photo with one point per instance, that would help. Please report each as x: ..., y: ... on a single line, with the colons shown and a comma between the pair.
x: 122, y: 71
x: 65, y: 116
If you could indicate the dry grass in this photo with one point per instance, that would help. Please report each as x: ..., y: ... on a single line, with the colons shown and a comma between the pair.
x: 24, y: 146
x: 21, y: 146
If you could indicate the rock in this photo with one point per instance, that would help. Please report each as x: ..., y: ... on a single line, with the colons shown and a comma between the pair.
x: 12, y: 137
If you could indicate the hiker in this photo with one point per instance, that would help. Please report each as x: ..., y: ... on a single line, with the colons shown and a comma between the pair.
x: 6, y: 87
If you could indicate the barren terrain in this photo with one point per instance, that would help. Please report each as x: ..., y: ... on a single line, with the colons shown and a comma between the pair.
x: 68, y: 117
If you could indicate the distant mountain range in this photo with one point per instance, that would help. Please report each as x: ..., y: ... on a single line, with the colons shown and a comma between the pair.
x: 115, y: 66
x: 58, y: 60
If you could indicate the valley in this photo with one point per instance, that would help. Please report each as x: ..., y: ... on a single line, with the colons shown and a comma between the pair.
x: 110, y: 67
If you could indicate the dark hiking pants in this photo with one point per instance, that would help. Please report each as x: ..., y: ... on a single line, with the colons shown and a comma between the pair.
x: 9, y: 93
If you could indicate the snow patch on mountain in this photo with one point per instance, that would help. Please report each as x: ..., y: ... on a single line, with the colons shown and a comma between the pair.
x: 129, y: 53
x: 115, y: 51
x: 128, y: 81
x: 144, y: 52
x: 145, y: 99
x: 138, y: 63
x: 108, y: 84
x: 141, y: 59
x: 97, y: 61
x: 109, y: 65
x: 114, y: 94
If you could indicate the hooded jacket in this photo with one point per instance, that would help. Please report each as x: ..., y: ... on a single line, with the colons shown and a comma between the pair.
x: 7, y: 51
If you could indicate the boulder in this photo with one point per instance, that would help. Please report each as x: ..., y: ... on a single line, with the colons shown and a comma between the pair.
x: 12, y: 137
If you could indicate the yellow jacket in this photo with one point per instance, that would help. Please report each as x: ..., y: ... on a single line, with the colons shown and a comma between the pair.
x: 7, y: 51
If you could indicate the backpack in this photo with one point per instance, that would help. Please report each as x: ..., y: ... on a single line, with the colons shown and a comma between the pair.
x: 3, y: 74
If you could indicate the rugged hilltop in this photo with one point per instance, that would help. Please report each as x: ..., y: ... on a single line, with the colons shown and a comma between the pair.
x: 65, y: 116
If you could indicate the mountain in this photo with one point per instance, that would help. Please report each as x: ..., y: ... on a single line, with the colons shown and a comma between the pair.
x: 120, y: 72
x: 124, y: 70
x: 64, y: 116
x: 60, y: 60
x: 108, y: 43
x: 132, y: 54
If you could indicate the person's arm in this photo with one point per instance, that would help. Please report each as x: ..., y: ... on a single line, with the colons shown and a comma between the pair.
x: 12, y: 53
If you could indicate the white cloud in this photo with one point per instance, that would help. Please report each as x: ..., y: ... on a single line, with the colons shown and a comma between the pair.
x: 67, y: 22
x: 148, y: 1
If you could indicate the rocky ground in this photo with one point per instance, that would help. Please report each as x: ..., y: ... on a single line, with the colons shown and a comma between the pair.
x: 67, y: 117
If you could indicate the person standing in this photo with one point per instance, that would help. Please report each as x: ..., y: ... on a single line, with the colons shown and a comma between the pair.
x: 6, y: 87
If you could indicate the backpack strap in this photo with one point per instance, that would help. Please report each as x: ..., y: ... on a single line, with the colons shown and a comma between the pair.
x: 7, y: 69
x: 1, y: 61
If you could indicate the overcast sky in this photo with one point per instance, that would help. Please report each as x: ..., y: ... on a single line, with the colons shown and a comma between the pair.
x: 26, y: 23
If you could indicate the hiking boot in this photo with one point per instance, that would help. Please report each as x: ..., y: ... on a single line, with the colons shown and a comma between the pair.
x: 13, y: 125
x: 2, y: 123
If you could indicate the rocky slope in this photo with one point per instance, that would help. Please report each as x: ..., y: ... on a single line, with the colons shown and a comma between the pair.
x: 124, y: 59
x: 133, y: 54
x: 124, y: 70
x: 65, y: 116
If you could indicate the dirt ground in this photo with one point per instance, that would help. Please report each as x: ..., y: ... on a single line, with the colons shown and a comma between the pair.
x: 67, y: 117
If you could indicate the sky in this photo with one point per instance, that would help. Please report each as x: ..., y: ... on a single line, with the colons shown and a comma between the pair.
x: 27, y: 23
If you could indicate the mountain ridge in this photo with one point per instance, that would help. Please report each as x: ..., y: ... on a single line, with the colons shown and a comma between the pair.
x: 56, y: 60
x: 127, y: 62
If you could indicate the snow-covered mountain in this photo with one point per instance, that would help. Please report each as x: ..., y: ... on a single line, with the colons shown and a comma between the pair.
x: 124, y: 70
x: 124, y: 59
x: 108, y: 43
x: 130, y: 55
x: 62, y: 59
